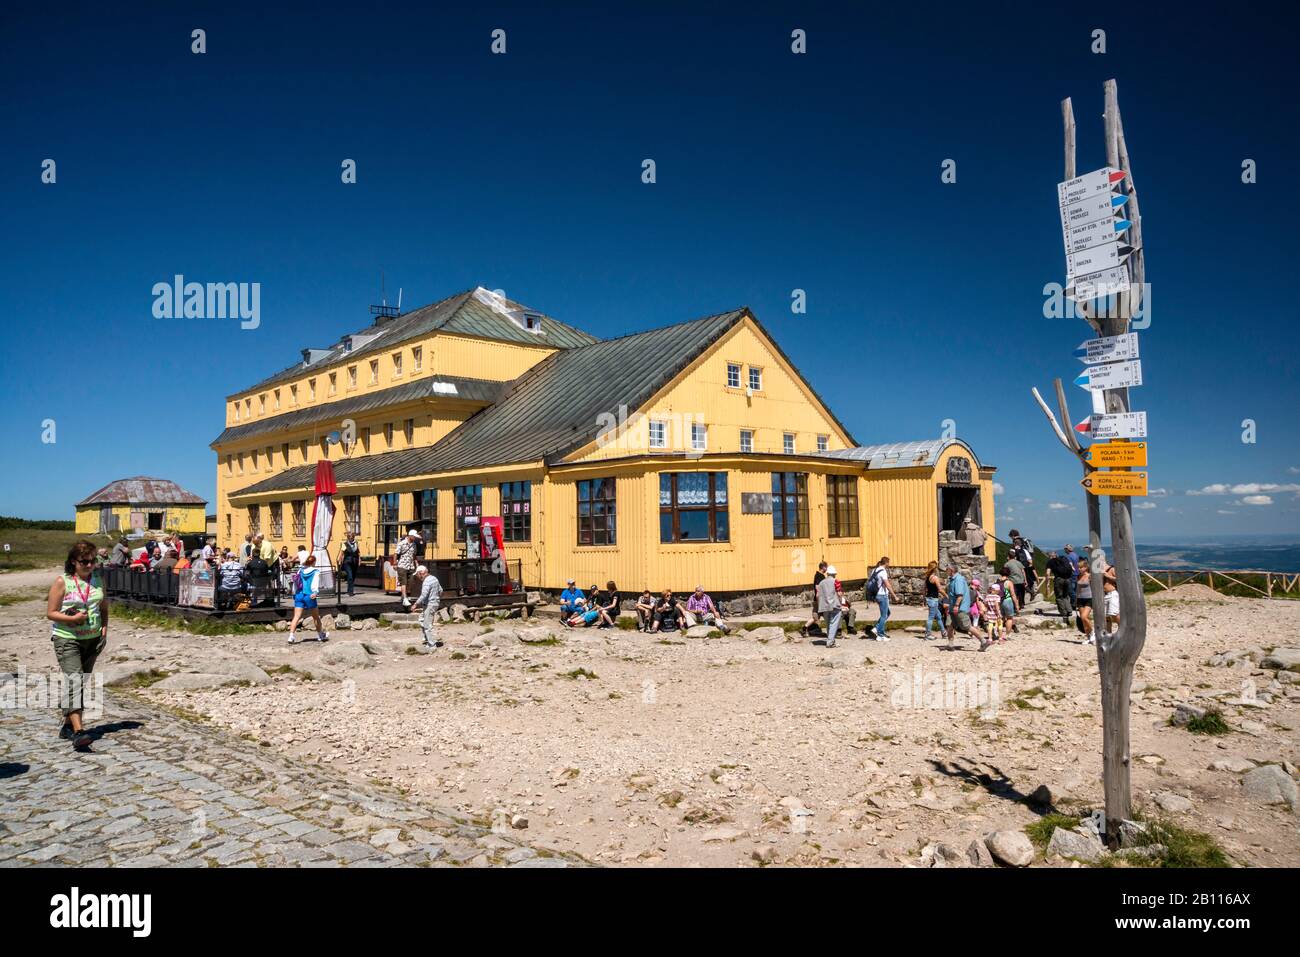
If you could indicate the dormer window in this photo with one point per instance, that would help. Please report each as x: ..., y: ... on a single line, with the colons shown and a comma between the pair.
x: 533, y: 321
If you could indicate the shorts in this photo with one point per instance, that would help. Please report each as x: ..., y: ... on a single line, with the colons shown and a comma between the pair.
x: 1112, y: 604
x: 961, y: 622
x: 589, y: 616
x: 1084, y: 602
x: 304, y: 601
x: 404, y: 576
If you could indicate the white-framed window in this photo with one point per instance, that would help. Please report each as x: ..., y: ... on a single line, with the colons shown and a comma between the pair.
x: 658, y: 434
x: 397, y: 364
x: 823, y: 443
x: 261, y: 404
x: 352, y: 377
x: 236, y: 411
x: 417, y: 359
x: 733, y: 375
x: 374, y: 371
x: 334, y: 382
x: 230, y: 464
x: 241, y: 463
x: 699, y: 436
x: 388, y: 434
x: 408, y: 431
x: 293, y: 395
x: 256, y: 459
x: 746, y: 440
x: 787, y: 443
x: 277, y: 400
x: 248, y: 407
x: 311, y: 390
x: 756, y: 378
x: 365, y: 439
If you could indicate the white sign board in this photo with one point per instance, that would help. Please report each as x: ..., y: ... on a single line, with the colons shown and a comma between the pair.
x: 1111, y: 375
x: 1097, y: 183
x: 1108, y: 349
x: 1121, y: 425
x: 1106, y: 256
x: 1105, y: 282
x: 1079, y: 238
x: 1091, y: 211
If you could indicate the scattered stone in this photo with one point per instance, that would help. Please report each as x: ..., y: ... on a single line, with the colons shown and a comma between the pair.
x: 764, y: 855
x: 123, y: 673
x: 1270, y: 784
x: 281, y: 625
x: 519, y: 822
x: 767, y: 633
x: 1184, y: 713
x: 722, y: 834
x: 1131, y: 832
x: 1234, y: 765
x: 458, y: 612
x: 699, y: 631
x: 348, y: 654
x: 978, y: 854
x: 642, y: 781
x: 327, y: 622
x: 1012, y: 848
x: 367, y: 624
x: 237, y: 668
x: 1075, y: 844
x: 1282, y: 659
x: 342, y: 621
x: 1173, y: 803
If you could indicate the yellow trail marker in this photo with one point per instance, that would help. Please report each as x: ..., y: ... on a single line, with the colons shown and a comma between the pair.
x: 1117, y: 454
x: 1116, y: 483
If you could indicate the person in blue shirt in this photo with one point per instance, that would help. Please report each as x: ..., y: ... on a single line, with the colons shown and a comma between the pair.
x: 1073, y: 558
x: 572, y: 600
x: 959, y: 599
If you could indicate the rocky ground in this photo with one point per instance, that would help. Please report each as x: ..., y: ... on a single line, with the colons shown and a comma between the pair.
x: 756, y: 747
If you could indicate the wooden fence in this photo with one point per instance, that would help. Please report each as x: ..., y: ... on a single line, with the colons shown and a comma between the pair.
x: 1246, y: 583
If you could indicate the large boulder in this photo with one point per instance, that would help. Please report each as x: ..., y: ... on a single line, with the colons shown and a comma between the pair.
x: 190, y: 681
x: 238, y: 668
x: 1282, y: 659
x: 1011, y: 848
x: 699, y: 631
x: 766, y: 633
x: 121, y: 674
x: 348, y: 654
x: 1270, y: 784
x: 1073, y: 844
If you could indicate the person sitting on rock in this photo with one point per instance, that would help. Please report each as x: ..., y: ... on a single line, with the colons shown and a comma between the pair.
x: 705, y: 612
x: 645, y: 611
x: 668, y: 613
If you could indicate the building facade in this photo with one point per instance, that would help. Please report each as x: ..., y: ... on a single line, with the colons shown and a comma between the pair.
x: 141, y: 503
x: 690, y: 454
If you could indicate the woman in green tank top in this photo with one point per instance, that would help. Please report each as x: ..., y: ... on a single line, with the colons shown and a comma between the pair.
x: 78, y: 608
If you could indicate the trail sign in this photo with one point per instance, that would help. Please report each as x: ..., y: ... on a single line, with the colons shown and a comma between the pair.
x: 1079, y: 238
x: 1104, y: 256
x: 1093, y: 210
x: 1117, y: 454
x: 1105, y: 282
x: 1120, y: 425
x: 1116, y: 483
x: 1111, y: 375
x: 1098, y: 182
x: 1108, y: 349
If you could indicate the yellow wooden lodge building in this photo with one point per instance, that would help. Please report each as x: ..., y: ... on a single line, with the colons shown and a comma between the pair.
x: 141, y: 503
x: 690, y: 454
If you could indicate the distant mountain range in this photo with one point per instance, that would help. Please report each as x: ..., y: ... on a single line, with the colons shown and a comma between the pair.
x: 1227, y: 553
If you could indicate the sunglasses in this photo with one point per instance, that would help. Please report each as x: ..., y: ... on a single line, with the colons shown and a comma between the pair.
x: 85, y: 561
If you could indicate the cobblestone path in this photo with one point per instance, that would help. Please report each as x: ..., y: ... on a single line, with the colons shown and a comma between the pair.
x: 156, y: 790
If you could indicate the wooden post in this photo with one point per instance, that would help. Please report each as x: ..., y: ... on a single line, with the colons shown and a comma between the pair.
x: 1117, y: 654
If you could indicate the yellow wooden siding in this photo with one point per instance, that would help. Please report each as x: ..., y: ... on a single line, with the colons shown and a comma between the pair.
x: 701, y: 395
x: 180, y: 518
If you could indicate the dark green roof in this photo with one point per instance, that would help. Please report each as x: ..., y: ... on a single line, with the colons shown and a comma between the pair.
x: 464, y: 314
x: 482, y: 390
x: 549, y: 411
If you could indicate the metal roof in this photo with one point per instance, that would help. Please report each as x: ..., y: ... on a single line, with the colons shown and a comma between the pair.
x: 475, y: 312
x: 442, y: 386
x: 550, y: 410
x: 142, y: 490
x: 900, y: 455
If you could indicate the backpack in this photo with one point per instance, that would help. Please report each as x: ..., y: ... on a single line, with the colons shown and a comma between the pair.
x: 297, y: 582
x: 873, y: 584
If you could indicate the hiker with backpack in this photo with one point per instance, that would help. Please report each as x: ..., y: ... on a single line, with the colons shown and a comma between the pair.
x: 880, y: 590
x: 306, y: 586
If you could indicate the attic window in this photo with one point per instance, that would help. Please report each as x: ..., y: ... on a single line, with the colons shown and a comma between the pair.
x: 533, y: 321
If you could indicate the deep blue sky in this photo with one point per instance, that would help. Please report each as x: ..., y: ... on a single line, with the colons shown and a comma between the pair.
x: 775, y: 172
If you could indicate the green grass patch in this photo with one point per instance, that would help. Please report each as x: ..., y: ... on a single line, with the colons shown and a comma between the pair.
x: 1183, y: 846
x: 783, y: 625
x: 144, y: 679
x: 1210, y: 723
x: 44, y: 547
x: 548, y: 641
x: 577, y: 673
x: 1040, y: 831
x: 458, y: 656
x: 17, y: 597
x: 196, y: 626
x: 625, y: 623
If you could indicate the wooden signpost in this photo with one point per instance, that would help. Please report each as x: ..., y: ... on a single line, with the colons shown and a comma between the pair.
x: 1120, y: 271
x: 1114, y: 455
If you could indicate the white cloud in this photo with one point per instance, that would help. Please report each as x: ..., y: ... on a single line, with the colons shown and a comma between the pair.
x: 1144, y: 505
x: 1256, y: 500
x: 1245, y: 488
x: 1158, y: 492
x: 1060, y: 507
x: 1293, y: 470
x: 1227, y: 511
x: 997, y: 488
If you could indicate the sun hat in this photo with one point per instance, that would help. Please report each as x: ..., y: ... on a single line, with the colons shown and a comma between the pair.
x: 830, y: 570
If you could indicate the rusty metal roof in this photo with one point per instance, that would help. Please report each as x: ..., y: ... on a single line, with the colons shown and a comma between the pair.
x: 142, y: 490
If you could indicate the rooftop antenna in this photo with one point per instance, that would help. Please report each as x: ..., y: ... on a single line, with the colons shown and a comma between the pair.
x: 383, y: 296
x: 384, y: 311
x: 399, y: 300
